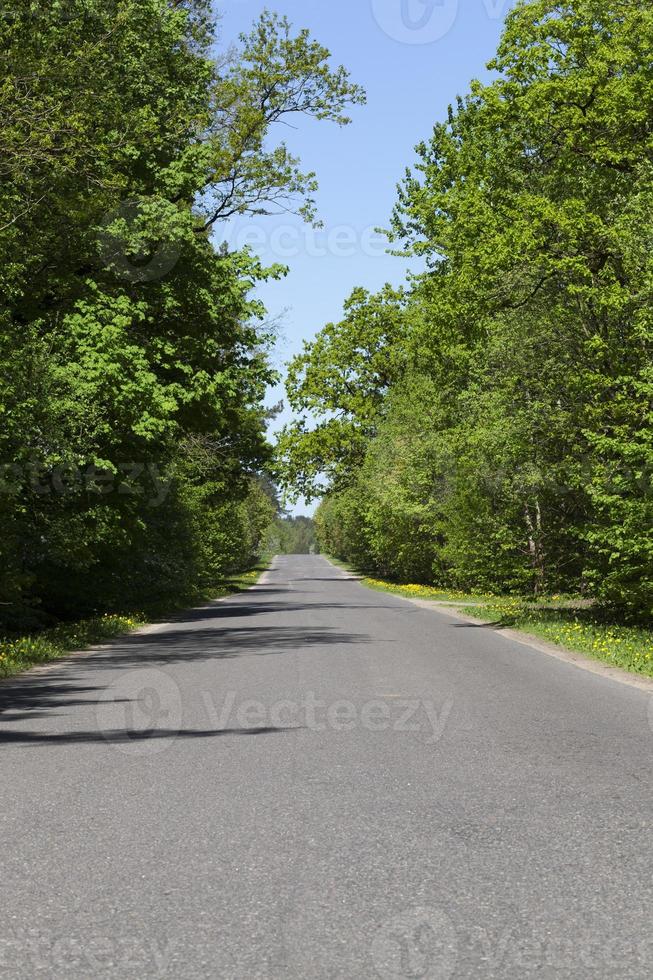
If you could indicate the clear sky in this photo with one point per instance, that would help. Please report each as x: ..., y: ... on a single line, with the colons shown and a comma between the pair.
x: 413, y: 57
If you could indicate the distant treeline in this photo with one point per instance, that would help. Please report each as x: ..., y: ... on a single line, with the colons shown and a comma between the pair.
x: 293, y: 536
x: 133, y: 354
x: 490, y: 426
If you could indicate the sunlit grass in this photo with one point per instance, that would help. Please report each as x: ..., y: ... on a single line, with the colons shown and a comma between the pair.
x: 426, y: 591
x: 577, y: 629
x: 21, y: 652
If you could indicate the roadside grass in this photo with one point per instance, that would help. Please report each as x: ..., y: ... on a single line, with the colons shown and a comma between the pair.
x: 575, y: 628
x: 413, y: 591
x: 18, y: 653
x: 566, y: 621
x: 449, y: 596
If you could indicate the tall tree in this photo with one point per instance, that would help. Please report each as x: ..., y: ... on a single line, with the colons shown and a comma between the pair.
x: 133, y: 360
x: 531, y: 206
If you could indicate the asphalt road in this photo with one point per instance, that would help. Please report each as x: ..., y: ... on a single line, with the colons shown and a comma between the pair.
x: 312, y: 779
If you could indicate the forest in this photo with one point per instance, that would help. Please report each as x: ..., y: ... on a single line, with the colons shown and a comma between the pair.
x: 292, y: 536
x: 355, y: 681
x: 488, y: 425
x: 485, y: 425
x: 134, y: 354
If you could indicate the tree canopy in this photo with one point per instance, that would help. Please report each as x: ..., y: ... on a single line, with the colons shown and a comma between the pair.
x: 509, y: 443
x: 133, y: 356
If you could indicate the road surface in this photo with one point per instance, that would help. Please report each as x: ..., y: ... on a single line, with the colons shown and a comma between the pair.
x: 312, y: 779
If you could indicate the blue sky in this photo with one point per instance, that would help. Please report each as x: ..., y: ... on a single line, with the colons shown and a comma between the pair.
x: 413, y: 57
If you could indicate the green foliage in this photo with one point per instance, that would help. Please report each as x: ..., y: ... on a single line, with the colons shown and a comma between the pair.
x: 133, y: 363
x: 292, y: 536
x: 513, y: 449
x: 343, y: 374
x: 20, y: 652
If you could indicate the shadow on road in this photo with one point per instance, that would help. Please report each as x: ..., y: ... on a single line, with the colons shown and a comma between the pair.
x: 500, y: 624
x: 211, y: 633
x: 16, y: 737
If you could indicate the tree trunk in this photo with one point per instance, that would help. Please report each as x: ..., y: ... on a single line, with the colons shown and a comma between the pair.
x: 535, y: 547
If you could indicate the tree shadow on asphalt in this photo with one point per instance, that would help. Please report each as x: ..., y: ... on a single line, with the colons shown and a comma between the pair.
x: 499, y: 624
x: 27, y: 698
x: 201, y: 644
x: 34, y: 695
x: 241, y: 610
x: 130, y: 737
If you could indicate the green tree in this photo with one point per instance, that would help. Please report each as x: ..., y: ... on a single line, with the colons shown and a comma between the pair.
x: 293, y: 536
x: 531, y: 206
x: 342, y: 378
x: 133, y: 360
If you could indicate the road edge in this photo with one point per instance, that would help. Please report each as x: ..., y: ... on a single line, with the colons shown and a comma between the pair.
x: 571, y: 657
x: 148, y: 628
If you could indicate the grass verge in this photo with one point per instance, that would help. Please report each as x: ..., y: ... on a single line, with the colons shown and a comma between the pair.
x: 565, y: 621
x: 18, y: 653
x: 577, y: 629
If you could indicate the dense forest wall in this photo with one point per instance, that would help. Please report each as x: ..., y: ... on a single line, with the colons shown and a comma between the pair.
x: 133, y: 355
x: 490, y: 425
